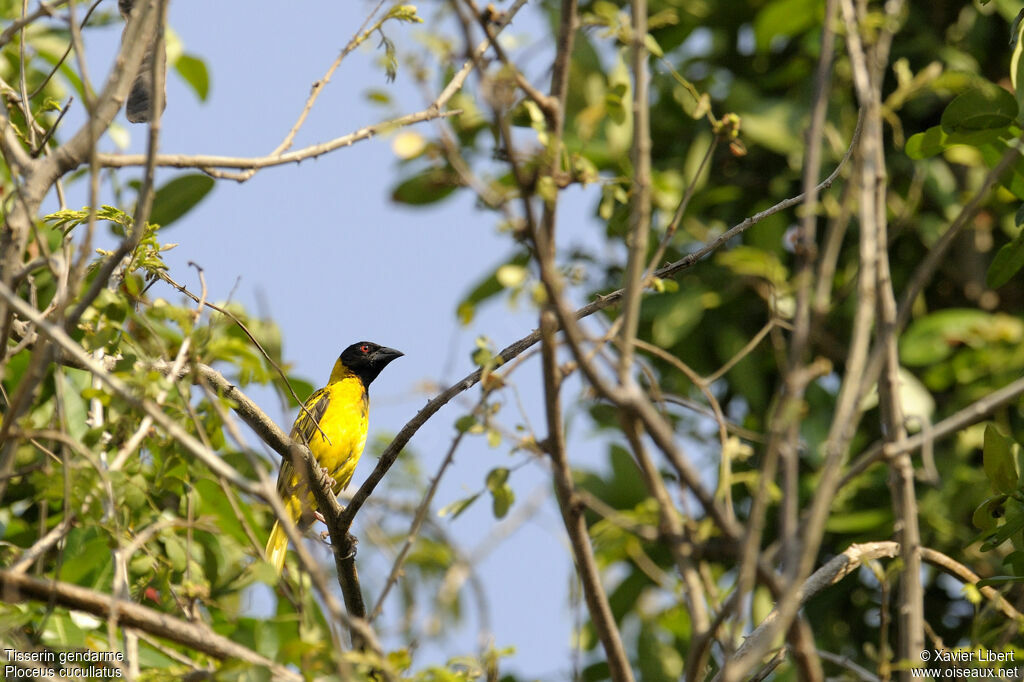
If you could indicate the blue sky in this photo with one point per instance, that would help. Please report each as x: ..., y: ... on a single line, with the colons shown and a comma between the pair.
x: 320, y: 248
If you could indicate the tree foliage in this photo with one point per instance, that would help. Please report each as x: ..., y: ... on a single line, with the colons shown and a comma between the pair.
x: 801, y: 346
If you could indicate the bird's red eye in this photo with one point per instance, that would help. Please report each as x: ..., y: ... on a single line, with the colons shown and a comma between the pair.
x: 364, y: 348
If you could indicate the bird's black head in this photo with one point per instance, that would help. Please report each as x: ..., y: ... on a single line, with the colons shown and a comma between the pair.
x: 366, y: 359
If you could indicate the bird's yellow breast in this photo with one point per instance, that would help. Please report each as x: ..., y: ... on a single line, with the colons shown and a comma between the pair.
x: 340, y: 440
x: 333, y: 422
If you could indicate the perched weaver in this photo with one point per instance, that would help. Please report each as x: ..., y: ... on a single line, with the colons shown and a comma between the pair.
x: 333, y: 423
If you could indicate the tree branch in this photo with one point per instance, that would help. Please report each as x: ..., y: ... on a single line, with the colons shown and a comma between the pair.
x: 829, y: 574
x: 572, y: 512
x: 15, y: 587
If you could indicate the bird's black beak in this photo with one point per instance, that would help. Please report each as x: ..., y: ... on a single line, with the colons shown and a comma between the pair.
x: 383, y: 355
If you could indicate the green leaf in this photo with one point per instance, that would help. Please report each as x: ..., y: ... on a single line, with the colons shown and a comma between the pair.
x: 784, y: 18
x: 178, y: 197
x: 1015, y: 560
x: 999, y: 462
x: 1000, y: 580
x: 749, y: 261
x: 981, y: 108
x: 934, y: 337
x: 497, y: 477
x: 935, y: 140
x: 657, y: 660
x: 986, y: 516
x: 1010, y: 529
x: 465, y: 423
x: 405, y: 13
x: 1013, y: 180
x: 501, y: 493
x: 426, y: 187
x: 193, y: 70
x: 1016, y: 63
x: 652, y: 46
x: 858, y: 521
x: 377, y: 96
x: 1009, y: 259
x: 175, y: 550
x: 486, y: 288
x: 673, y: 316
x: 457, y: 507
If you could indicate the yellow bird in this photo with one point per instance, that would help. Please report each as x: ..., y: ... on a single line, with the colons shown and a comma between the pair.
x: 333, y: 423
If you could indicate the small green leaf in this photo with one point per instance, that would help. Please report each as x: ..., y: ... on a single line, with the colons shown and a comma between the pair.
x: 502, y: 494
x: 1015, y: 561
x: 1016, y: 63
x: 859, y: 521
x: 998, y: 461
x: 503, y: 499
x: 377, y: 96
x: 178, y: 197
x: 457, y: 507
x: 1000, y: 580
x: 97, y: 394
x: 935, y: 140
x: 404, y: 13
x: 652, y: 46
x: 488, y: 287
x: 1009, y: 259
x: 497, y: 477
x: 784, y: 18
x: 981, y: 108
x: 986, y: 516
x: 465, y: 423
x: 426, y: 187
x: 193, y: 70
x: 175, y: 550
x: 936, y: 336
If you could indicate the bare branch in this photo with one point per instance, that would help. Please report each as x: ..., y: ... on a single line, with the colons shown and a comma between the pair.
x: 640, y: 207
x: 829, y: 574
x: 972, y: 414
x: 957, y: 570
x: 15, y: 587
x: 572, y: 513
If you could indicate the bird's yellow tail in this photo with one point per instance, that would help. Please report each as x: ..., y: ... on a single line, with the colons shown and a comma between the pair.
x: 277, y: 547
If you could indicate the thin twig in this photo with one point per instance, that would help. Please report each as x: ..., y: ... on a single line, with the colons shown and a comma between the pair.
x: 640, y: 206
x: 417, y: 522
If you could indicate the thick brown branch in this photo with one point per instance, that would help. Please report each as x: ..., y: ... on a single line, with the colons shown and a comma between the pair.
x: 15, y: 587
x: 572, y: 512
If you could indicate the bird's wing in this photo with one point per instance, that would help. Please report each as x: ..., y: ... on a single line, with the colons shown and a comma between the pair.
x: 307, y: 423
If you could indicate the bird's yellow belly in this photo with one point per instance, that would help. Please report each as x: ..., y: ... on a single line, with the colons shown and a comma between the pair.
x: 336, y: 445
